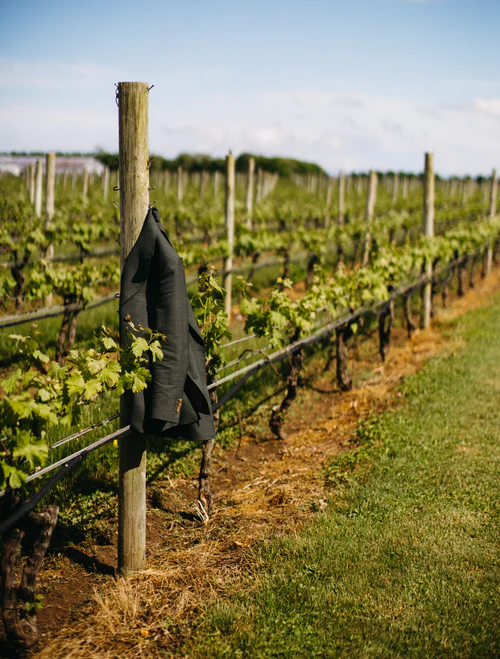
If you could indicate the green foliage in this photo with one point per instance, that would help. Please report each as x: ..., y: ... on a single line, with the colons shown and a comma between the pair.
x: 43, y: 394
x: 208, y: 307
x: 77, y: 284
x: 278, y: 317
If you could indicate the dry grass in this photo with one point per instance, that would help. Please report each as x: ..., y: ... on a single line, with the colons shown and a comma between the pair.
x: 268, y: 488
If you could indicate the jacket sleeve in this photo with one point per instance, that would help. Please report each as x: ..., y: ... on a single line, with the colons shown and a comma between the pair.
x: 169, y: 375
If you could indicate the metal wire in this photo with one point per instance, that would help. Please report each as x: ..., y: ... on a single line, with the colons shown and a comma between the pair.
x: 85, y: 431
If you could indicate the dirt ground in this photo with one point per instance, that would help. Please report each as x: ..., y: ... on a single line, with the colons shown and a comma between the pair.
x: 263, y: 488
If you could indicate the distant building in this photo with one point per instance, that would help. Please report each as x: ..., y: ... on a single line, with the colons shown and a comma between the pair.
x: 17, y: 164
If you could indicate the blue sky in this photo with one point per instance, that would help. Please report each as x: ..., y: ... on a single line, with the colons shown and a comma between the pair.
x: 356, y: 84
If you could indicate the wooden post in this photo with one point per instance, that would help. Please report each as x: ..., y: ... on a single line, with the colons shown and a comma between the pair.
x: 265, y: 180
x: 341, y: 198
x: 259, y: 185
x: 395, y: 189
x: 492, y: 214
x: 50, y: 181
x: 406, y: 184
x: 85, y: 188
x: 493, y: 195
x: 465, y: 188
x: 250, y: 186
x: 229, y: 224
x: 203, y: 183
x: 329, y: 192
x: 216, y: 183
x: 180, y: 184
x: 134, y: 200
x: 38, y: 187
x: 105, y: 183
x: 371, y: 196
x: 428, y: 229
x: 31, y: 182
x: 359, y: 185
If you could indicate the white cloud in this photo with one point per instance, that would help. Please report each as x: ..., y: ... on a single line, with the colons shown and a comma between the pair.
x: 368, y: 131
x: 53, y: 75
x: 489, y: 106
x: 54, y: 106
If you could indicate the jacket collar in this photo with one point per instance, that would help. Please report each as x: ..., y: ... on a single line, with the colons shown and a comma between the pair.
x: 146, y: 240
x: 136, y: 266
x: 155, y: 213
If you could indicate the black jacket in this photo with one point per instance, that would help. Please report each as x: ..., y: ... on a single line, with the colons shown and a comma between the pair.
x: 153, y: 294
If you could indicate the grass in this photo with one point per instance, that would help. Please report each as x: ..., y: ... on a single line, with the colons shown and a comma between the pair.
x: 404, y: 562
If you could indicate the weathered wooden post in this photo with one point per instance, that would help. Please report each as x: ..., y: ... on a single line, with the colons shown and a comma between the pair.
x: 38, y: 187
x: 493, y: 195
x: 328, y: 200
x: 359, y: 185
x: 259, y: 185
x: 180, y: 184
x: 428, y: 229
x: 329, y: 191
x: 265, y: 184
x: 203, y: 183
x: 317, y: 184
x: 166, y: 181
x: 371, y: 196
x: 50, y: 182
x: 341, y: 198
x: 484, y: 188
x: 395, y: 189
x: 85, y: 187
x: 492, y: 214
x: 229, y: 224
x: 105, y: 183
x: 465, y: 188
x: 216, y: 183
x: 406, y: 185
x: 134, y: 200
x: 31, y: 182
x: 250, y: 187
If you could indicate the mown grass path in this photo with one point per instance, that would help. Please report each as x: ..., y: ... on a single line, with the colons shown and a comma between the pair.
x: 405, y: 562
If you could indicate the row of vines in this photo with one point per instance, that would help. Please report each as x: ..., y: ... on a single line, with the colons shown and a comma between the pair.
x: 304, y: 262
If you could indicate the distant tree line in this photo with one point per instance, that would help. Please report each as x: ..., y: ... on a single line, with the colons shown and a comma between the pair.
x: 197, y: 162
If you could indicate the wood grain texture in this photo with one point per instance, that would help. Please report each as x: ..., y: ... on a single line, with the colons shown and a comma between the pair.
x: 133, y: 98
